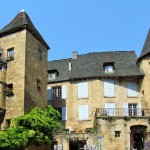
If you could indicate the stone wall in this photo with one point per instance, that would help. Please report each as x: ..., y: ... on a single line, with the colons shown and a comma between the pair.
x: 35, y: 70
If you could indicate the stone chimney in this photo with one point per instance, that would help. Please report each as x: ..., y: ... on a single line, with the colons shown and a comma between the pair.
x: 74, y: 55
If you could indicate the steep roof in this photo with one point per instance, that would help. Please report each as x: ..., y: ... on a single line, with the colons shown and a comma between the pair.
x: 146, y: 47
x: 22, y: 21
x: 91, y: 65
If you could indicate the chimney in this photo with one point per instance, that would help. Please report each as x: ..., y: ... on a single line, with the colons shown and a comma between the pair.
x: 74, y: 55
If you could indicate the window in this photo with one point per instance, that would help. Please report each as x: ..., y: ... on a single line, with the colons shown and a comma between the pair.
x: 59, y: 109
x: 83, y: 112
x: 52, y: 76
x: 63, y: 112
x: 9, y: 90
x: 108, y: 67
x: 59, y: 92
x: 10, y: 53
x: 117, y: 134
x: 109, y: 88
x: 8, y: 123
x: 56, y: 92
x: 83, y: 90
x: 1, y: 68
x: 110, y: 109
x: 39, y: 54
x: 38, y: 85
x: 132, y: 89
x: 132, y: 108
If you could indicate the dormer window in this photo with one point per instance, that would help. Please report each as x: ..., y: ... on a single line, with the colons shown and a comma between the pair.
x: 52, y: 74
x: 109, y: 67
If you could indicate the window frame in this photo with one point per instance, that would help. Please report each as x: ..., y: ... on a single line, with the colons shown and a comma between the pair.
x: 56, y: 93
x: 39, y: 54
x: 10, y: 53
x: 117, y: 134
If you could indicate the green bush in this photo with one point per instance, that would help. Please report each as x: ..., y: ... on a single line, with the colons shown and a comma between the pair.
x: 35, y: 128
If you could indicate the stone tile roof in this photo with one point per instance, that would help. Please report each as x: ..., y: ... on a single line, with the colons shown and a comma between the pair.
x: 146, y: 47
x: 20, y: 22
x: 91, y: 65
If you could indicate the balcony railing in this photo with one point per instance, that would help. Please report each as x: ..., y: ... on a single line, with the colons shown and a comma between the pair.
x: 121, y: 112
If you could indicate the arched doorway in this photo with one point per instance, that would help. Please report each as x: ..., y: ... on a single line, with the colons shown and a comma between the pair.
x: 137, y: 137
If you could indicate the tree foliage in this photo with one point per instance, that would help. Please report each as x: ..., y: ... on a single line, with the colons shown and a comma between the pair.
x: 35, y: 128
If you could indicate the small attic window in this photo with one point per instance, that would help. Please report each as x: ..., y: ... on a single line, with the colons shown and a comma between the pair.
x: 109, y: 67
x: 52, y: 74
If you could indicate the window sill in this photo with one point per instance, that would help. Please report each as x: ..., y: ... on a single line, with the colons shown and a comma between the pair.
x: 132, y: 96
x: 109, y: 96
x: 86, y: 120
x: 10, y: 59
x: 83, y: 98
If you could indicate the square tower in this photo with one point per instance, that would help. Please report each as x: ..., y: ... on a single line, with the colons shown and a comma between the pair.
x: 23, y: 64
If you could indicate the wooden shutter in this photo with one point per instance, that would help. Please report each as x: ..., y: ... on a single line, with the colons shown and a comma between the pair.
x: 83, y: 90
x: 139, y: 109
x: 64, y: 113
x: 83, y: 112
x: 49, y: 93
x: 64, y: 92
x: 125, y: 109
x: 132, y: 89
x: 109, y: 88
x: 110, y: 109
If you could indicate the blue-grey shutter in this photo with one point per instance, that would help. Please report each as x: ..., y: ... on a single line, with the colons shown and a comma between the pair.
x: 64, y: 92
x: 109, y: 88
x: 83, y: 112
x: 49, y: 93
x: 83, y: 90
x: 80, y: 114
x: 125, y: 109
x: 110, y: 108
x: 64, y: 113
x: 132, y: 89
x: 139, y: 109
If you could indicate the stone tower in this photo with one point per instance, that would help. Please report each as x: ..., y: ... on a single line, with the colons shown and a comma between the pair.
x: 23, y: 67
x: 144, y: 64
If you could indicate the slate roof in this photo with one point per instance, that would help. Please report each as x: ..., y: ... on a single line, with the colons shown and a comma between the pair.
x: 146, y: 47
x: 20, y: 22
x: 91, y: 66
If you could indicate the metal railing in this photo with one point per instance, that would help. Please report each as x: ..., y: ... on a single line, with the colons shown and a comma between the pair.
x: 121, y: 112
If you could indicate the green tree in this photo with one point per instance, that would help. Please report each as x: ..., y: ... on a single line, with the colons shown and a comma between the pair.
x: 35, y: 128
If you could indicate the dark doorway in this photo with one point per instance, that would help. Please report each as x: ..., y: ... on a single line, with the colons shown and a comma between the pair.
x: 77, y: 145
x: 137, y: 137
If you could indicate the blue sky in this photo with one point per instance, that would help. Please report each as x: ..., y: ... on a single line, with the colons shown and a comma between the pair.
x: 84, y: 25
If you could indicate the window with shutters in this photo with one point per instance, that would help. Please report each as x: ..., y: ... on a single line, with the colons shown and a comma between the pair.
x: 109, y: 88
x: 132, y: 108
x: 83, y: 90
x: 83, y: 112
x: 57, y: 93
x: 132, y: 89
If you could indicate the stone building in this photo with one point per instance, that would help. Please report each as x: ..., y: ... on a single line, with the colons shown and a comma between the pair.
x: 103, y: 99
x: 23, y: 65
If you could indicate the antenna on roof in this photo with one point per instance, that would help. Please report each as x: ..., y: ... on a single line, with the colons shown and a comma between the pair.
x: 22, y: 10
